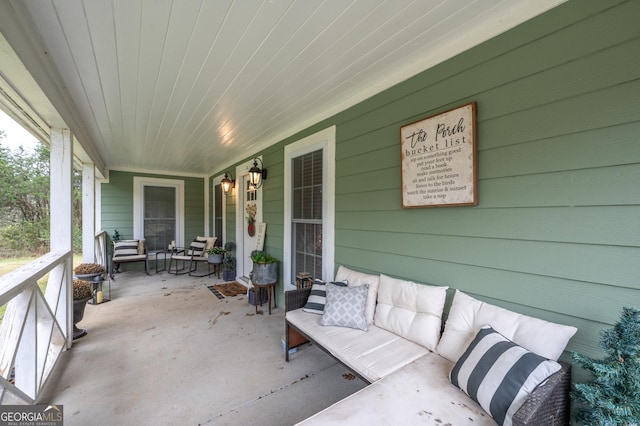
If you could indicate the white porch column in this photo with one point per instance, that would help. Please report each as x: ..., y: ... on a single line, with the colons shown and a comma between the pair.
x: 88, y: 213
x: 61, y: 211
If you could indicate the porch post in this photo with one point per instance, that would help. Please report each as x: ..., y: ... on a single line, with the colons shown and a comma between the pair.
x: 61, y: 228
x: 88, y: 212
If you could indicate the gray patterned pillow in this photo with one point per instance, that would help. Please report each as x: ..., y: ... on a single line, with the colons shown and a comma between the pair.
x: 345, y: 306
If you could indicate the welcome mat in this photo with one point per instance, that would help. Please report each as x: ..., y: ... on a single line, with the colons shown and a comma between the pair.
x: 228, y: 290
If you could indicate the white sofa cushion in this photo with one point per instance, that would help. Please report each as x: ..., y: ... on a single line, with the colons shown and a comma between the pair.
x: 418, y: 394
x: 355, y: 279
x: 467, y: 315
x: 373, y: 354
x: 500, y: 375
x: 410, y: 310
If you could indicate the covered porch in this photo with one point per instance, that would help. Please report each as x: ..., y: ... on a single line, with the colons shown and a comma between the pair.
x: 184, y: 94
x: 166, y: 350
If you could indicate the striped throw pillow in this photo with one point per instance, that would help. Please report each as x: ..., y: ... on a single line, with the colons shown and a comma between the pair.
x: 498, y: 374
x: 125, y: 248
x: 196, y: 248
x: 318, y: 297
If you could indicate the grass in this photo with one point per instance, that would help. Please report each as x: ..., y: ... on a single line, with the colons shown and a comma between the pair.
x: 8, y: 265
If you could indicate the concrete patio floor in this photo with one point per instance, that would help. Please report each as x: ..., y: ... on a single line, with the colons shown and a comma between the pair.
x: 167, y: 351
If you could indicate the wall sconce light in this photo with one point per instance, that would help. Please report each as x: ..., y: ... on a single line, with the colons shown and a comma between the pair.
x: 226, y: 183
x: 257, y: 174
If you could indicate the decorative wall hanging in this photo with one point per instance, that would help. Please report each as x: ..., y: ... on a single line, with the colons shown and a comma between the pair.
x: 439, y: 160
x: 251, y: 219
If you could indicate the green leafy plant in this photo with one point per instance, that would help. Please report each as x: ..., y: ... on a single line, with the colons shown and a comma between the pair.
x: 115, y: 236
x: 258, y: 256
x: 216, y: 250
x: 229, y: 263
x: 613, y: 397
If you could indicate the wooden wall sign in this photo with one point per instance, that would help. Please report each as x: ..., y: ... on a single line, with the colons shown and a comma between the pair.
x: 439, y: 160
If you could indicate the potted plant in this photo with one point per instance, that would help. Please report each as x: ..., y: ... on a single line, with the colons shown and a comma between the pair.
x: 216, y: 254
x: 81, y: 294
x: 89, y: 270
x: 265, y: 267
x: 229, y: 262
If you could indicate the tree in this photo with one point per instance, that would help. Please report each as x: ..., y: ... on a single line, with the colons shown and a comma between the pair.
x: 24, y: 201
x: 613, y: 398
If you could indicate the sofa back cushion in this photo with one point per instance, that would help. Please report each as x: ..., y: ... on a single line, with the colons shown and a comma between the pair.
x: 468, y: 315
x: 410, y: 310
x: 356, y: 279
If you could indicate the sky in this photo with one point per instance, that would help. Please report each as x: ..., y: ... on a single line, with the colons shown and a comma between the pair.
x: 15, y: 134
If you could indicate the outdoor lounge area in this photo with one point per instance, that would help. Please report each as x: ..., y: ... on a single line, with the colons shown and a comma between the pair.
x: 166, y: 350
x: 488, y: 149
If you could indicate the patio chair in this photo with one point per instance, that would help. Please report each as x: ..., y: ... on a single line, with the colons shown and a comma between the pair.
x: 127, y: 251
x: 195, y: 254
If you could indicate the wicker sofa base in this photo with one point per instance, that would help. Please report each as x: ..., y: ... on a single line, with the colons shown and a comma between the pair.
x: 547, y: 405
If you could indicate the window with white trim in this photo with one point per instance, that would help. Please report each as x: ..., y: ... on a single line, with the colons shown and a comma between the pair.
x: 309, y: 207
x: 159, y: 216
x: 158, y: 211
x: 306, y: 218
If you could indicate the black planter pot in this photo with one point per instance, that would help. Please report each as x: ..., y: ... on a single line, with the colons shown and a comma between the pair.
x: 229, y: 275
x: 78, y: 314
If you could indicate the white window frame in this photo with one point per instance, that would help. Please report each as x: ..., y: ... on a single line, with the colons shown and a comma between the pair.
x: 139, y: 182
x: 324, y: 140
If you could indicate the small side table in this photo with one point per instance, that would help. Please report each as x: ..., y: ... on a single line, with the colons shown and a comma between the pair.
x: 166, y: 253
x: 270, y: 287
x: 216, y: 268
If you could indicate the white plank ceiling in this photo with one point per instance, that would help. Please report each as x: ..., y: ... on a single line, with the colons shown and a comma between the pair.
x: 190, y: 86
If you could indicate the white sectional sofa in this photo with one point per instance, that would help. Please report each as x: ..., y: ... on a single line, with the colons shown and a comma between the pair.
x: 388, y: 332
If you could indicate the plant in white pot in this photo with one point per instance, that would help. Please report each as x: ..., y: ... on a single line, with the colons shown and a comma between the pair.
x: 265, y: 268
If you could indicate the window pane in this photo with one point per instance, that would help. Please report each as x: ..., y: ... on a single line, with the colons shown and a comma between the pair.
x: 217, y: 222
x: 307, y: 214
x: 297, y: 204
x: 316, y: 211
x: 297, y: 172
x: 317, y: 168
x: 159, y: 216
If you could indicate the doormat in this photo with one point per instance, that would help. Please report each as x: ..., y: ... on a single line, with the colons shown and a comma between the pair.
x: 228, y: 290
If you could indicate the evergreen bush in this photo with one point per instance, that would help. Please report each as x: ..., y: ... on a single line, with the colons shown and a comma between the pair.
x: 613, y: 397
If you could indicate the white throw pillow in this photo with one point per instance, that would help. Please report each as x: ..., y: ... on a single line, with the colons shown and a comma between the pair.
x: 410, y: 310
x: 467, y: 315
x: 356, y: 279
x: 500, y: 375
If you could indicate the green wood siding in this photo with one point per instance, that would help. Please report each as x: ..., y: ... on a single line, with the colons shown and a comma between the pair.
x: 556, y: 234
x: 117, y: 203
